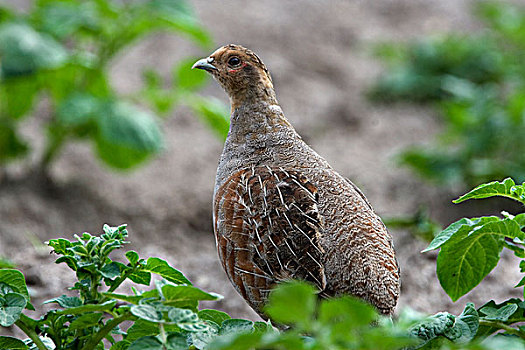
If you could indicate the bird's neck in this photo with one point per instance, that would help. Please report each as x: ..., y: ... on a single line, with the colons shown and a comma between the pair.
x: 259, y: 134
x: 254, y: 121
x: 254, y: 91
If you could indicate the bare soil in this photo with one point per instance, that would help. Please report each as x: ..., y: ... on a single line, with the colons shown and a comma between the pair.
x: 319, y: 54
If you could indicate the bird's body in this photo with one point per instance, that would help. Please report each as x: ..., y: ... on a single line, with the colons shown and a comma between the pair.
x: 281, y: 211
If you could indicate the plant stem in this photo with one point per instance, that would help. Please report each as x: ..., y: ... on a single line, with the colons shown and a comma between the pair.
x: 162, y: 334
x: 30, y: 332
x: 503, y: 326
x: 117, y: 283
x: 94, y: 288
x: 92, y: 343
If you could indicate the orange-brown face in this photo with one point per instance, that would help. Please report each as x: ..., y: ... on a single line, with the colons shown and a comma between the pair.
x: 238, y: 70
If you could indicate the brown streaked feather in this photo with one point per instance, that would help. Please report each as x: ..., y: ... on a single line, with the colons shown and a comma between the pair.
x: 267, y: 227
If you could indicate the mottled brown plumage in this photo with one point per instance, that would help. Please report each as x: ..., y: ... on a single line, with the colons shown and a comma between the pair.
x: 280, y: 211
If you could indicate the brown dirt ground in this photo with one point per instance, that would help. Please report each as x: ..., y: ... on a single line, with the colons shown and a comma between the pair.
x: 319, y: 55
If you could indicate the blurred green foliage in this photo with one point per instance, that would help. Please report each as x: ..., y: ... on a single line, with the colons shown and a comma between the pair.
x: 6, y: 263
x: 60, y: 52
x: 478, y: 84
x: 420, y: 224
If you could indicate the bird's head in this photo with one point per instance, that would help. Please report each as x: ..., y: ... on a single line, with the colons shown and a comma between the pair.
x: 241, y: 73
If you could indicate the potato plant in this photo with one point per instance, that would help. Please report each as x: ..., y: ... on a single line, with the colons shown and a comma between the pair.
x: 164, y: 316
x: 167, y: 316
x: 60, y: 52
x: 100, y: 312
x: 470, y: 248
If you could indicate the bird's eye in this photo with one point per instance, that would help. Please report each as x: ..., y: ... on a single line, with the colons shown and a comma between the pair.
x: 234, y: 61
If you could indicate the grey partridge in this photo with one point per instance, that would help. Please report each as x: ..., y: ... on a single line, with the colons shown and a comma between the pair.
x: 280, y: 211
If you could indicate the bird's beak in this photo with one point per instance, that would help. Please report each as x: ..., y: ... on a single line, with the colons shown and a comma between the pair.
x: 205, y: 63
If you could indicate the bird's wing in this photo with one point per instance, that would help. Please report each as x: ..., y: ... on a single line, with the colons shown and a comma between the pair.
x: 267, y: 227
x: 360, y: 193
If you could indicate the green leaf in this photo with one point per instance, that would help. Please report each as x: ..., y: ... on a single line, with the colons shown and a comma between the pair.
x: 182, y: 316
x: 141, y: 328
x: 141, y: 277
x: 146, y: 343
x: 127, y: 136
x: 78, y: 109
x: 20, y: 94
x: 292, y: 303
x: 347, y: 312
x: 263, y: 326
x: 186, y: 320
x: 147, y: 312
x: 164, y: 270
x: 465, y: 326
x: 249, y: 341
x: 11, y: 146
x: 133, y: 257
x: 212, y: 113
x: 86, y: 320
x: 506, y: 188
x: 187, y: 78
x: 104, y: 307
x: 16, y: 281
x: 132, y: 299
x: 491, y: 307
x: 176, y: 341
x: 62, y: 19
x: 60, y: 246
x: 24, y: 50
x: 499, y: 314
x: 213, y: 315
x: 70, y: 261
x: 201, y: 339
x: 236, y: 326
x: 516, y: 249
x: 174, y: 294
x: 12, y: 343
x: 111, y: 270
x: 458, y: 228
x: 460, y: 329
x: 172, y: 9
x: 470, y: 255
x: 178, y: 15
x: 520, y: 220
x: 11, y: 306
x: 65, y: 301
